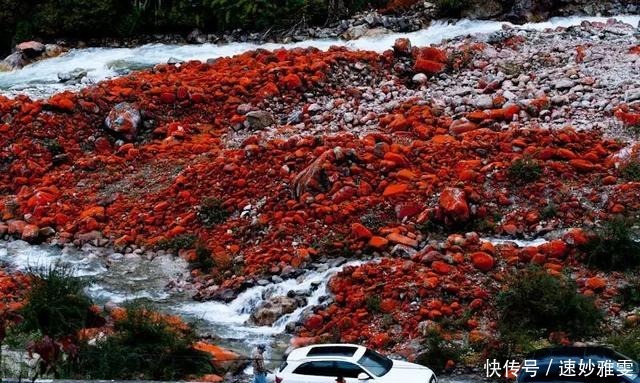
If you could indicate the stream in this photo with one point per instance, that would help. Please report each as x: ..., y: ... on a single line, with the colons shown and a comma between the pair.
x: 40, y: 80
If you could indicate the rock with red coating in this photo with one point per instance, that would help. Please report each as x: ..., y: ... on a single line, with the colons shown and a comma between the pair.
x: 428, y: 67
x: 453, y: 202
x: 482, y: 261
x: 124, y: 120
x: 30, y: 233
x: 402, y: 47
x: 314, y: 322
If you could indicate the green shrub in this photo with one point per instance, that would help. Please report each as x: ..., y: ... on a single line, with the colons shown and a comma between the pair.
x: 629, y: 296
x: 631, y: 171
x: 56, y: 305
x: 627, y: 344
x: 53, y: 146
x: 211, y: 212
x: 613, y: 246
x: 142, y: 347
x: 182, y: 241
x: 203, y: 261
x: 373, y: 304
x: 549, y: 211
x: 436, y: 352
x: 525, y: 170
x: 536, y: 304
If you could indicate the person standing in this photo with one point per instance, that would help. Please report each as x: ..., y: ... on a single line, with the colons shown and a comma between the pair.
x: 259, y: 370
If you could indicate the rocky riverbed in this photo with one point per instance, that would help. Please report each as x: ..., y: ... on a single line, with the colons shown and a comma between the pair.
x: 269, y: 164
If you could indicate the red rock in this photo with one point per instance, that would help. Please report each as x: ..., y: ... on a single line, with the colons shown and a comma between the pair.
x: 582, y: 165
x: 359, y: 231
x: 292, y: 81
x: 454, y: 204
x: 441, y: 267
x: 168, y: 98
x: 30, y: 233
x: 433, y: 54
x: 380, y: 340
x: 378, y: 242
x: 401, y: 239
x: 96, y: 212
x: 314, y: 322
x: 395, y: 189
x: 482, y: 261
x: 402, y: 47
x: 428, y: 67
x: 388, y: 306
x: 596, y: 283
x: 16, y: 227
x: 458, y: 127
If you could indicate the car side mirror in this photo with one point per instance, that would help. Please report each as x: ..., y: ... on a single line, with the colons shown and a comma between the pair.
x: 363, y: 377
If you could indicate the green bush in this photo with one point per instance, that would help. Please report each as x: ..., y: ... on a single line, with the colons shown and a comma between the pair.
x: 536, y: 304
x: 525, y: 170
x: 436, y: 352
x: 631, y: 171
x: 182, y: 241
x: 204, y: 261
x: 629, y: 296
x: 56, y: 305
x: 373, y: 304
x: 142, y: 347
x: 211, y: 212
x: 613, y: 246
x: 627, y: 344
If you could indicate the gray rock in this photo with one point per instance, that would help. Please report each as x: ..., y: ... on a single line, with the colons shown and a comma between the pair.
x: 563, y: 84
x: 269, y: 311
x: 75, y: 75
x: 259, y: 119
x: 485, y: 101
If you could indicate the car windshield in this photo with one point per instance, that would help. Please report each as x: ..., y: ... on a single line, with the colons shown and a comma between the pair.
x: 375, y: 363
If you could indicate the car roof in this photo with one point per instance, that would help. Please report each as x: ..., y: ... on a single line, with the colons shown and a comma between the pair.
x: 572, y: 352
x: 337, y: 351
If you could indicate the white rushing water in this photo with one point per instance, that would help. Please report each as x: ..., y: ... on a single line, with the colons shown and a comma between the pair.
x: 118, y: 278
x: 41, y: 79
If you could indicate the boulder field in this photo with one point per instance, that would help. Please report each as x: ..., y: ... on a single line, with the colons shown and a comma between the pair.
x: 274, y: 160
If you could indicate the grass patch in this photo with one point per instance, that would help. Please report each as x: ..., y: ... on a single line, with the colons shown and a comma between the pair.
x: 144, y: 346
x: 373, y: 304
x: 629, y: 296
x: 524, y: 170
x: 436, y: 352
x: 204, y: 261
x: 537, y: 304
x: 56, y: 304
x: 613, y: 247
x: 182, y: 241
x: 628, y: 343
x: 631, y: 171
x: 549, y: 211
x: 211, y: 212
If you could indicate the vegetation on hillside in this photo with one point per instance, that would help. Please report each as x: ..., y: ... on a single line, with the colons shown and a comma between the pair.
x: 28, y: 19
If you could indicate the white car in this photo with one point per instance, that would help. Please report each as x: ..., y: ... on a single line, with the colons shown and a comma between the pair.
x: 357, y: 364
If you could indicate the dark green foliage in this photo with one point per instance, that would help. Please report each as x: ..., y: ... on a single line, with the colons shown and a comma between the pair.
x: 437, y: 352
x: 143, y: 347
x: 629, y: 296
x: 613, y: 246
x: 212, y: 212
x: 203, y: 261
x: 451, y: 8
x: 525, y: 170
x: 373, y: 303
x: 631, y: 171
x: 536, y: 304
x: 182, y: 241
x: 56, y: 304
x: 29, y: 19
x: 627, y: 344
x: 549, y: 211
x: 53, y: 146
